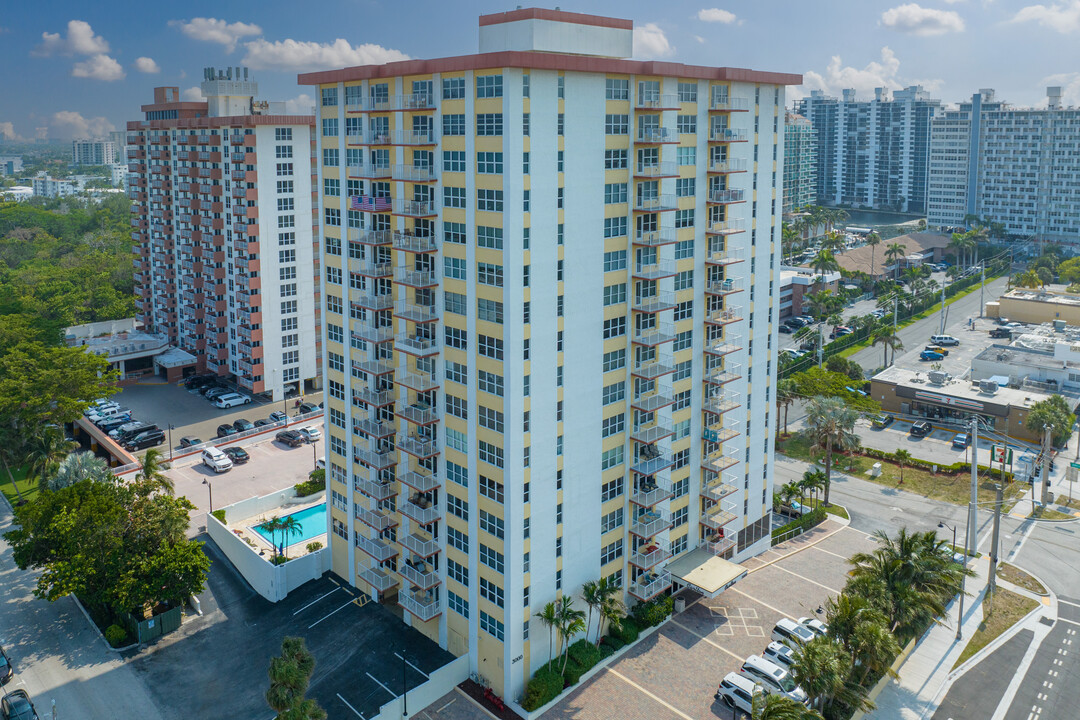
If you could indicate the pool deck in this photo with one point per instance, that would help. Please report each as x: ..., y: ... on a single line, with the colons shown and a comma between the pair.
x: 244, y: 528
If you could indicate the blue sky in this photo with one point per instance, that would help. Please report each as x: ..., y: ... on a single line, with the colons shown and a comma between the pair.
x: 77, y: 68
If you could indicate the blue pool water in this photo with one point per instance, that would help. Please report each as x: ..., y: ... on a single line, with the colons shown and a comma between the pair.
x: 312, y: 524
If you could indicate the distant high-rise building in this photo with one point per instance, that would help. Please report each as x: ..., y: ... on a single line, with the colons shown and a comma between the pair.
x: 222, y: 214
x: 800, y: 163
x: 547, y: 302
x: 93, y: 152
x: 1016, y: 166
x: 10, y: 164
x: 872, y: 154
x: 50, y: 187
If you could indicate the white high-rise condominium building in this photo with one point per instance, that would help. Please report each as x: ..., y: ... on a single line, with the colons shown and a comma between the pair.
x: 1016, y: 166
x: 800, y: 163
x: 872, y: 154
x: 93, y: 152
x: 222, y: 217
x: 549, y: 326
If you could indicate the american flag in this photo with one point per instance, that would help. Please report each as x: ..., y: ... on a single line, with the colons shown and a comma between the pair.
x: 369, y: 203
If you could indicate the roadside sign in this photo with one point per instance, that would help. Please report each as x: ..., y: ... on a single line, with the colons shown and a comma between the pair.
x: 1000, y: 453
x: 1071, y: 472
x: 1075, y: 465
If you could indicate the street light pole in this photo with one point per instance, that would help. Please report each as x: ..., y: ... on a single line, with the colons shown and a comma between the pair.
x: 404, y: 688
x: 170, y: 442
x: 211, y: 489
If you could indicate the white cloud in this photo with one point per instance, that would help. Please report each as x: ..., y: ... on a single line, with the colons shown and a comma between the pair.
x: 80, y: 40
x: 716, y: 15
x: 300, y: 105
x: 1064, y: 18
x: 699, y: 38
x: 192, y: 94
x: 7, y: 131
x: 70, y: 124
x: 838, y: 77
x: 216, y: 30
x: 300, y: 56
x: 913, y: 19
x: 98, y: 67
x: 146, y: 65
x: 651, y: 42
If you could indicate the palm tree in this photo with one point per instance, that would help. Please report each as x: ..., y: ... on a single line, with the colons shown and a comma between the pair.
x: 272, y: 526
x: 833, y: 242
x: 786, y: 395
x: 550, y: 617
x: 781, y: 707
x: 958, y: 243
x: 789, y: 492
x: 822, y: 263
x: 873, y: 240
x: 77, y: 467
x: 290, y: 675
x: 571, y: 622
x: 894, y: 252
x: 863, y: 631
x: 811, y: 482
x: 830, y: 424
x: 821, y: 668
x: 45, y: 451
x: 611, y: 608
x: 903, y: 457
x: 590, y: 593
x: 152, y: 475
x: 886, y: 336
x: 289, y: 525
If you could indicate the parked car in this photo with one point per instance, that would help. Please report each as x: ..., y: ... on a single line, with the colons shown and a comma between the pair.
x: 816, y: 626
x: 290, y: 437
x: 310, y: 433
x: 921, y: 428
x: 189, y: 440
x: 779, y: 653
x: 107, y: 426
x: 16, y: 705
x: 790, y: 632
x: 133, y: 431
x: 277, y: 416
x: 238, y: 455
x: 879, y: 313
x: 215, y: 391
x: 225, y: 430
x: 263, y: 421
x: 149, y: 438
x: 199, y: 381
x: 738, y: 692
x: 944, y: 340
x: 98, y: 407
x: 243, y: 424
x: 230, y: 400
x: 307, y: 407
x: 788, y: 329
x: 106, y: 413
x: 881, y: 420
x: 961, y: 440
x: 215, y: 459
x: 808, y: 319
x: 1001, y: 332
x: 6, y: 670
x: 937, y: 349
x: 773, y: 677
x: 126, y: 427
x: 930, y: 355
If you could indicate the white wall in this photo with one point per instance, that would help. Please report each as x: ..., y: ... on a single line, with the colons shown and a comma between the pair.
x: 439, y: 683
x: 557, y: 37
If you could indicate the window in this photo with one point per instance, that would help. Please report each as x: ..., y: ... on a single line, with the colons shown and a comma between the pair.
x: 457, y: 539
x: 615, y: 159
x: 489, y: 237
x: 612, y: 520
x: 525, y: 163
x: 562, y: 86
x: 331, y: 188
x: 330, y: 157
x: 684, y: 310
x: 453, y: 197
x: 612, y: 489
x: 489, y: 310
x: 489, y: 86
x: 560, y: 123
x: 682, y: 429
x: 454, y: 268
x: 454, y: 233
x: 615, y: 360
x: 489, y: 124
x: 457, y: 506
x: 491, y: 419
x: 680, y: 488
x: 457, y: 571
x: 491, y: 347
x: 491, y: 524
x: 491, y: 591
x: 611, y: 552
x: 687, y: 92
x: 613, y: 425
x: 283, y: 152
x: 679, y: 517
x: 616, y: 124
x: 354, y: 127
x: 285, y: 187
x: 525, y: 124
x: 330, y: 127
x: 455, y: 303
x: 687, y: 155
x: 458, y: 407
x: 492, y: 558
x: 683, y: 370
x: 617, y: 89
x: 685, y: 187
x: 612, y: 457
x: 456, y: 372
x: 457, y: 440
x: 490, y: 200
x: 684, y: 249
x: 284, y: 170
x: 684, y: 280
x: 525, y: 93
x: 686, y: 124
x: 329, y: 97
x: 614, y: 393
x: 453, y: 125
x: 489, y: 274
x: 615, y: 227
x: 491, y: 489
x: 682, y: 458
x: 615, y: 294
x: 614, y: 193
x: 453, y: 160
x: 614, y: 260
x: 489, y: 453
x: 683, y: 341
x: 491, y: 626
x: 457, y: 338
x: 457, y: 473
x: 684, y: 218
x: 615, y: 327
x: 283, y: 134
x: 489, y: 163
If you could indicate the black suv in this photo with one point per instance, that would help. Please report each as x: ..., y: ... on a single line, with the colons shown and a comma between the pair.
x: 243, y: 424
x: 16, y: 705
x: 238, y: 455
x: 226, y: 430
x: 290, y: 437
x: 143, y: 440
x: 921, y: 428
x: 6, y: 671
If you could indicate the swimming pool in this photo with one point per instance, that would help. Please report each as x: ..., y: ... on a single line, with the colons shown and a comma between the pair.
x: 312, y: 522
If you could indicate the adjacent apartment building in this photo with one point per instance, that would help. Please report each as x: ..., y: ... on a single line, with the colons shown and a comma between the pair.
x: 1016, y: 166
x: 549, y: 326
x: 872, y: 154
x: 93, y: 152
x: 222, y: 216
x: 800, y: 163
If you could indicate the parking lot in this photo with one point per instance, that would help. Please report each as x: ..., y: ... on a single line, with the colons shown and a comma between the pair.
x: 216, y: 665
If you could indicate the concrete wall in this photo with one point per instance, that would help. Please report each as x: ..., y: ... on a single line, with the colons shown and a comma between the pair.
x: 439, y: 683
x: 1036, y: 311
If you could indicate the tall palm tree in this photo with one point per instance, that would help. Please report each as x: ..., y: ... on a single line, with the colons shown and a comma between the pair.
x: 886, y: 336
x: 590, y: 593
x: 822, y: 263
x: 829, y: 425
x: 77, y: 467
x: 895, y: 251
x: 786, y: 395
x: 290, y: 674
x: 873, y: 240
x: 152, y: 472
x: 958, y: 243
x: 289, y: 525
x: 571, y: 622
x: 781, y: 707
x: 550, y: 617
x: 863, y: 631
x: 833, y: 242
x: 821, y: 667
x: 45, y: 451
x: 272, y: 526
x: 611, y: 607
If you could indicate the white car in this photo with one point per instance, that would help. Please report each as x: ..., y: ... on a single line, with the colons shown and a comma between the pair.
x: 816, y: 626
x: 779, y: 653
x: 773, y: 678
x: 216, y: 460
x: 738, y: 691
x: 229, y: 400
x: 790, y: 632
x: 310, y: 433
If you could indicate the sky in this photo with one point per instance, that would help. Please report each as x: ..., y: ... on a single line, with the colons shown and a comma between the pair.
x: 77, y: 69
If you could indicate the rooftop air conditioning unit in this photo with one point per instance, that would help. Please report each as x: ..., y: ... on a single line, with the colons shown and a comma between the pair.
x: 937, y: 377
x: 988, y: 386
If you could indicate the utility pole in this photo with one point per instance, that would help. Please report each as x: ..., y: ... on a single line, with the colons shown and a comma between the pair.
x: 972, y: 504
x: 1046, y: 465
x: 992, y: 581
x: 895, y: 305
x: 942, y: 330
x: 982, y: 287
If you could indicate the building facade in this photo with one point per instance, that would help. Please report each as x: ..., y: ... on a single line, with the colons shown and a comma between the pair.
x: 549, y: 324
x: 93, y: 152
x: 10, y: 164
x: 800, y: 163
x: 1016, y: 166
x: 222, y: 214
x: 872, y: 154
x: 50, y: 187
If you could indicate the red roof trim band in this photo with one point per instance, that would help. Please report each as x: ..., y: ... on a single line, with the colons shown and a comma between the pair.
x: 555, y: 16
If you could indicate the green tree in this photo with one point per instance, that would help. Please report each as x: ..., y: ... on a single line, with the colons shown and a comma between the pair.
x: 829, y: 425
x: 591, y: 595
x: 1069, y: 271
x: 844, y: 366
x: 781, y: 707
x: 44, y: 452
x: 290, y: 526
x: 821, y: 668
x: 77, y: 467
x: 1029, y: 279
x: 886, y: 336
x: 873, y: 240
x: 290, y: 674
x: 824, y: 262
x: 272, y: 526
x: 612, y: 610
x: 550, y: 617
x: 786, y: 395
x: 895, y: 252
x: 903, y: 457
x: 817, y: 381
x: 571, y: 622
x: 153, y: 471
x: 1052, y: 412
x: 863, y: 631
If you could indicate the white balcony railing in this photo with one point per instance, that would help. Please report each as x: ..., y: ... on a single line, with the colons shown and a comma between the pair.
x: 650, y: 584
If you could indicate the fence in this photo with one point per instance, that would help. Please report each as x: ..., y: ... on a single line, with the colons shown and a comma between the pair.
x: 153, y: 627
x: 261, y: 430
x: 438, y: 684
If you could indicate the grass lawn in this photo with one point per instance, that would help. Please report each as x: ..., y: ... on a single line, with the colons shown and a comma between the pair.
x: 950, y: 488
x: 1047, y: 513
x: 28, y: 488
x: 837, y: 510
x: 1008, y: 609
x: 1018, y: 577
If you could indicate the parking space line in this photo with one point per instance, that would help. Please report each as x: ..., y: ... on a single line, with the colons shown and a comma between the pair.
x: 1066, y: 602
x: 668, y: 705
x: 316, y: 600
x: 708, y: 640
x: 830, y: 552
x: 381, y: 685
x: 412, y: 666
x: 479, y: 707
x: 350, y: 706
x: 803, y: 577
x: 328, y: 615
x: 751, y: 597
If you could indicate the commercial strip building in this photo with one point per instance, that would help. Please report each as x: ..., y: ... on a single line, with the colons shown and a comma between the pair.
x: 872, y: 154
x: 919, y: 248
x: 1046, y: 362
x: 796, y: 283
x: 548, y: 311
x: 93, y: 152
x: 1016, y: 166
x: 800, y: 163
x: 1002, y: 409
x: 1036, y: 307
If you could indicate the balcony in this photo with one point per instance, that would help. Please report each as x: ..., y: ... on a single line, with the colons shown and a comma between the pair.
x: 721, y: 460
x: 412, y: 277
x: 415, y: 313
x: 377, y: 398
x: 726, y: 135
x: 723, y: 227
x: 420, y: 545
x: 718, y: 544
x: 418, y: 413
x: 724, y: 103
x: 721, y: 403
x: 419, y: 573
x: 374, y: 366
x: 655, y: 238
x: 420, y: 509
x: 421, y: 604
x: 417, y: 380
x: 650, y: 584
x: 374, y: 429
x: 415, y: 101
x: 651, y: 459
x: 655, y: 136
x: 658, y: 365
x: 661, y: 332
x: 356, y: 106
x: 648, y: 493
x: 721, y: 432
x: 722, y: 167
x: 421, y: 481
x: 378, y: 519
x: 649, y: 523
x: 375, y: 489
x: 365, y: 331
x: 721, y: 486
x: 656, y: 203
x: 720, y: 514
x: 378, y: 578
x: 659, y: 302
x: 656, y: 170
x: 378, y: 549
x: 653, y: 402
x: 369, y: 171
x: 726, y: 196
x: 655, y: 270
x: 721, y: 375
x: 412, y: 173
x: 354, y: 136
x: 725, y: 256
x: 409, y: 137
x: 370, y: 267
x: 649, y: 555
x: 418, y: 446
x: 725, y: 286
x: 378, y: 459
x: 371, y: 237
x: 654, y: 100
x: 723, y: 316
x: 411, y: 242
x: 414, y: 208
x: 368, y: 301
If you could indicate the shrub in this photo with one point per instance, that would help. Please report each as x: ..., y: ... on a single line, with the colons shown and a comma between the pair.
x: 606, y: 651
x: 627, y: 632
x: 314, y: 546
x: 653, y: 612
x: 309, y: 487
x: 584, y: 653
x: 279, y: 559
x: 612, y: 641
x: 220, y: 515
x: 115, y: 635
x: 573, y: 672
x: 545, y: 686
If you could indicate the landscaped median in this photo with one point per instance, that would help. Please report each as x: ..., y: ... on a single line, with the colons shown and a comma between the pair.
x: 1005, y: 610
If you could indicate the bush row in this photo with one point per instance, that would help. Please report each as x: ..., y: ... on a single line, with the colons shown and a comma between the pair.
x: 807, y: 521
x: 309, y: 487
x: 954, y: 469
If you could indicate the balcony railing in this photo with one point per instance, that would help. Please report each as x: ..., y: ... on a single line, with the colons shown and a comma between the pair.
x: 416, y: 278
x: 662, y: 332
x: 414, y: 208
x: 725, y: 256
x: 726, y: 286
x: 659, y: 302
x: 654, y: 270
x: 415, y: 379
x: 655, y: 135
x: 723, y: 374
x: 651, y: 459
x: 422, y: 604
x: 726, y: 166
x: 420, y: 481
x: 649, y: 495
x: 649, y: 523
x: 375, y: 429
x: 653, y: 402
x: 729, y: 195
x: 418, y: 445
x: 720, y: 460
x: 378, y: 519
x: 651, y: 433
x: 375, y: 458
x: 373, y: 302
x: 415, y: 101
x: 410, y: 242
x: 655, y: 203
x: 374, y: 366
x: 726, y: 135
x: 367, y: 170
x: 661, y: 363
x: 415, y: 313
x: 650, y: 584
x: 420, y: 545
x: 722, y: 403
x: 370, y: 267
x: 419, y: 574
x: 418, y: 413
x: 378, y: 578
x: 377, y: 398
x: 412, y: 173
x: 724, y: 316
x: 649, y: 555
x: 724, y: 103
x: 721, y: 545
x: 649, y: 100
x: 369, y: 333
x: 375, y: 489
x: 371, y: 237
x: 378, y: 549
x: 422, y: 511
x: 656, y: 169
x: 720, y: 514
x: 408, y: 137
x: 654, y: 238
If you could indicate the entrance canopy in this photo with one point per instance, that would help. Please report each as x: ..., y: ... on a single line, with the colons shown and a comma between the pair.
x: 706, y: 573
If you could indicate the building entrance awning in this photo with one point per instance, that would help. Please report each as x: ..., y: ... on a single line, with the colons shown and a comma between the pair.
x: 704, y: 572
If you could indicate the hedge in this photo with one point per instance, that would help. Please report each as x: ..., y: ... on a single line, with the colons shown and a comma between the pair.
x: 653, y: 612
x: 807, y: 521
x: 545, y: 686
x: 918, y: 463
x: 309, y: 487
x: 627, y: 632
x: 613, y: 642
x: 220, y: 515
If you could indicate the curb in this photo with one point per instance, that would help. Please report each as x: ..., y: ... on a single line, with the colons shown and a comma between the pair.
x: 98, y: 630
